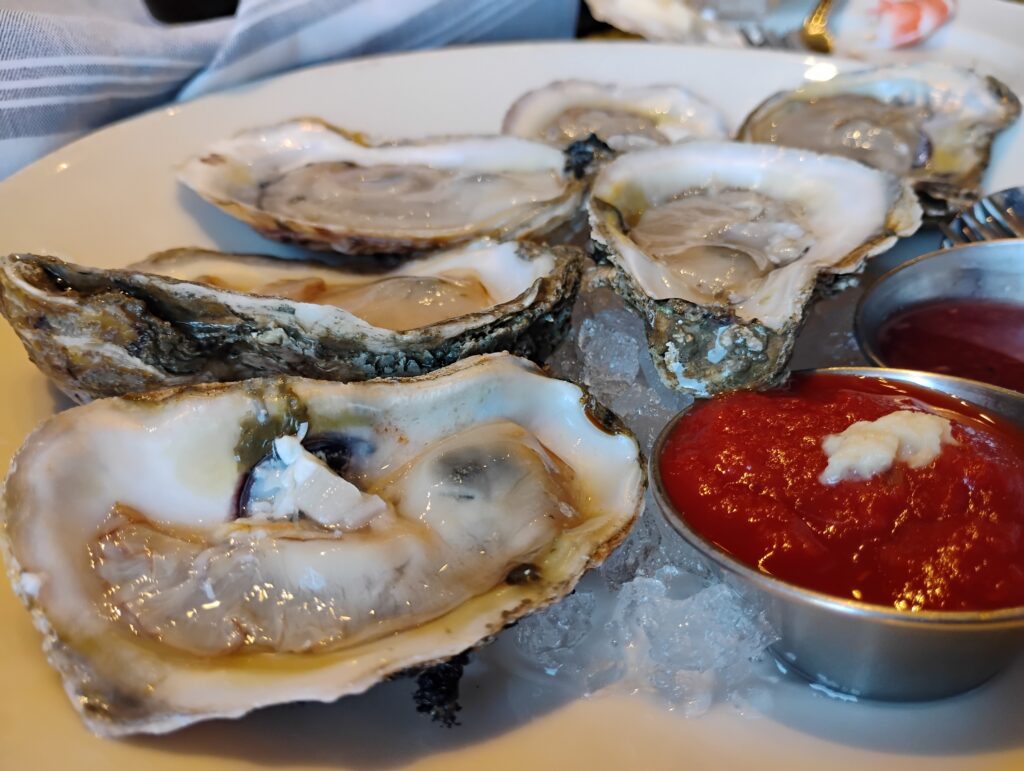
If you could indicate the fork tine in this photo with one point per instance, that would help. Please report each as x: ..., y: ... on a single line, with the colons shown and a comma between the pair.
x: 1013, y: 205
x: 989, y: 212
x: 1007, y: 219
x: 997, y: 225
x: 1015, y: 221
x: 977, y: 227
x: 969, y: 228
x: 995, y: 217
x: 953, y: 235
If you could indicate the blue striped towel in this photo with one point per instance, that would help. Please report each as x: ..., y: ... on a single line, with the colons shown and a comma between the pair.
x: 70, y: 66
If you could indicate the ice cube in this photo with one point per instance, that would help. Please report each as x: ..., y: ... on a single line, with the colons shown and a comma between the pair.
x: 713, y: 629
x: 643, y: 412
x: 564, y: 361
x: 652, y: 549
x: 637, y: 555
x: 653, y: 620
x: 611, y: 355
x: 548, y: 638
x: 690, y: 692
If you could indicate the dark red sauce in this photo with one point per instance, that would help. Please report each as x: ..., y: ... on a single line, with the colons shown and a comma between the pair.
x: 979, y: 339
x: 743, y: 468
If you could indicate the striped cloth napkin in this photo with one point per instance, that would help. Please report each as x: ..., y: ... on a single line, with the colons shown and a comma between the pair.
x: 70, y: 66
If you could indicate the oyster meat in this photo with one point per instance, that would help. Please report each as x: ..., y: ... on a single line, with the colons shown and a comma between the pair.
x: 200, y: 552
x: 624, y: 117
x: 191, y: 316
x: 720, y: 246
x: 931, y: 123
x: 327, y: 188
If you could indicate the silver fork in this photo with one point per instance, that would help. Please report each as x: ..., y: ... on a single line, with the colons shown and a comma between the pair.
x: 995, y: 217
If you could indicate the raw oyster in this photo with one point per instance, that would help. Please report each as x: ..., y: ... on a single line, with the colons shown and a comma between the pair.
x: 625, y: 117
x: 720, y: 245
x: 931, y: 123
x: 670, y: 21
x: 393, y: 524
x: 327, y: 188
x: 192, y: 316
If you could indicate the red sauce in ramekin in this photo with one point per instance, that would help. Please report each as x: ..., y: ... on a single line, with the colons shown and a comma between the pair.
x: 975, y: 338
x: 743, y: 470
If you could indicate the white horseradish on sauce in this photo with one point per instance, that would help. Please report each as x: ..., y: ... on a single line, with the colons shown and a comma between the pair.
x: 870, y: 447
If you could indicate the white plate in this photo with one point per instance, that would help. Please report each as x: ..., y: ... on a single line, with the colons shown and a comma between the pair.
x: 111, y: 198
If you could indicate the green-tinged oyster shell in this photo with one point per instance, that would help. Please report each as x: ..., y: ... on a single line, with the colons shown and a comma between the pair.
x: 705, y: 339
x: 98, y: 332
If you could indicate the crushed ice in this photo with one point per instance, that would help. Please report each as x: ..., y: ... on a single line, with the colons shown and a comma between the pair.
x: 607, y: 352
x: 653, y: 620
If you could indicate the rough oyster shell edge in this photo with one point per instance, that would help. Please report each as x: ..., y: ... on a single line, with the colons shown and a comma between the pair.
x: 130, y: 717
x: 705, y: 350
x: 939, y: 196
x: 345, y: 243
x: 126, y: 331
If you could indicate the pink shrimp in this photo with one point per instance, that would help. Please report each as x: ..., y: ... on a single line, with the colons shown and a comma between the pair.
x: 906, y: 22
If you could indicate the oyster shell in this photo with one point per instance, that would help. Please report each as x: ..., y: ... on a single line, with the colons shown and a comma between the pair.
x: 327, y: 188
x: 192, y: 316
x: 625, y: 117
x: 470, y: 497
x: 929, y: 122
x: 670, y: 21
x: 720, y: 246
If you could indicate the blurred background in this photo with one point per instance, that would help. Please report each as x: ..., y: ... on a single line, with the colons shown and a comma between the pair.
x: 70, y: 66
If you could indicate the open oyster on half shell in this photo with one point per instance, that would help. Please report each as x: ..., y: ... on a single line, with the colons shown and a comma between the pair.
x: 624, y: 117
x: 198, y: 553
x: 720, y: 247
x: 327, y: 188
x: 191, y: 316
x: 931, y: 123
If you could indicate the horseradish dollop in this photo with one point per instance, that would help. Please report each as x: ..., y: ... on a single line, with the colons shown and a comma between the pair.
x: 869, y: 447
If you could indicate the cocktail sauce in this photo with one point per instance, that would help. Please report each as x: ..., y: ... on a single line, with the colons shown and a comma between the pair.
x: 978, y: 339
x: 743, y: 471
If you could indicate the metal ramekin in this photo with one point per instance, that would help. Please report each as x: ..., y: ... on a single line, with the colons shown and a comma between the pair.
x: 992, y: 270
x: 873, y: 651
